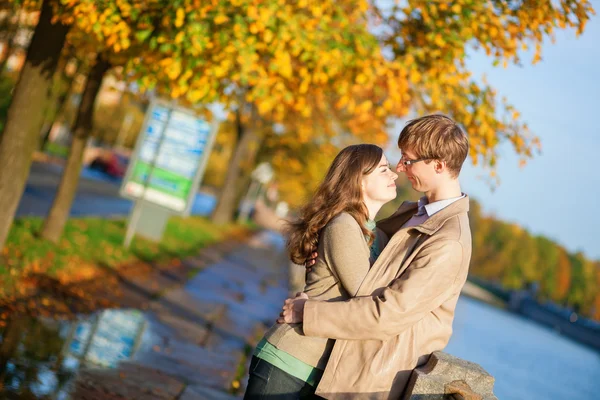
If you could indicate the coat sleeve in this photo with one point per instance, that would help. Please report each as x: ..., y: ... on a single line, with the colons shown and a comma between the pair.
x: 426, y: 283
x: 342, y: 242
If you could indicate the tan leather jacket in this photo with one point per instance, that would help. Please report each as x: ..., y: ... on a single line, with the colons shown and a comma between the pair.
x: 391, y: 328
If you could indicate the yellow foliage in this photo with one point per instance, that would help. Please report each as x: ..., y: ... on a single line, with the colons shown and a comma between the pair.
x: 221, y: 19
x: 320, y: 69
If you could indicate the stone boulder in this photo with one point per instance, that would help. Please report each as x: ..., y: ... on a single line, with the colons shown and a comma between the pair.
x: 446, y: 377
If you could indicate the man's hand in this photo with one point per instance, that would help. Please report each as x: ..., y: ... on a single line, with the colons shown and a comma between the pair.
x: 311, y: 261
x: 293, y: 310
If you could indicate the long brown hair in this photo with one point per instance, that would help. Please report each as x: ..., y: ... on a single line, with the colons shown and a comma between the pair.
x: 339, y: 192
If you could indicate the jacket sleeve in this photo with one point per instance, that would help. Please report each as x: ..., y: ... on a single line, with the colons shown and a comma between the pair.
x: 342, y: 242
x: 426, y: 283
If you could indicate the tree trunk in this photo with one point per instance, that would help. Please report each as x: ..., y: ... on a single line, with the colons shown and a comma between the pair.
x: 25, y: 115
x: 225, y: 208
x: 59, y: 213
x: 59, y: 102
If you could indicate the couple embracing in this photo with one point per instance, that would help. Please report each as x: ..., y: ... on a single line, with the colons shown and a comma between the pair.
x: 379, y: 297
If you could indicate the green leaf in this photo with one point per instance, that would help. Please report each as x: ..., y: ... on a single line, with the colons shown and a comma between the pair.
x: 143, y: 35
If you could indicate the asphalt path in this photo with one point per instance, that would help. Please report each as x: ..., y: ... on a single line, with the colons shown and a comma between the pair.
x: 97, y: 194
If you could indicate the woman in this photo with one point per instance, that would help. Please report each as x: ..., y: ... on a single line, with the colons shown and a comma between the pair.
x: 339, y: 221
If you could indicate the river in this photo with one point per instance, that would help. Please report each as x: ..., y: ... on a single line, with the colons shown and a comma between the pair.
x: 529, y: 361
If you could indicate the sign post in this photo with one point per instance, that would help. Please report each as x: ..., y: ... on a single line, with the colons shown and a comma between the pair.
x: 166, y: 168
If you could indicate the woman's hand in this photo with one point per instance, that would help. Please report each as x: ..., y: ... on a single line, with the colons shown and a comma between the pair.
x: 293, y: 310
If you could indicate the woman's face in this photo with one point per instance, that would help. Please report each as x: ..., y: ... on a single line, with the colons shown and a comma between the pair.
x: 380, y: 186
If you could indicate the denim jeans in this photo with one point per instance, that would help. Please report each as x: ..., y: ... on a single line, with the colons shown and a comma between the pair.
x: 267, y: 382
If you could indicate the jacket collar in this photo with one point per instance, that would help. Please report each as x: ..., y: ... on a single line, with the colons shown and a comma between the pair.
x: 437, y: 220
x: 394, y: 223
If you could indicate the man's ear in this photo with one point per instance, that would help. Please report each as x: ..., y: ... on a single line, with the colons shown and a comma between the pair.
x: 440, y: 166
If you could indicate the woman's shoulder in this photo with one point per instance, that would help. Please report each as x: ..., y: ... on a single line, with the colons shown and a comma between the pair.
x: 343, y: 219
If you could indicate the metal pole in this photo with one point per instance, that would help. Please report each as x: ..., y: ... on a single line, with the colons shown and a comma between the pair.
x: 137, y: 209
x: 133, y: 220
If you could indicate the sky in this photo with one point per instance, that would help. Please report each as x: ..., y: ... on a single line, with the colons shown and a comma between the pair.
x: 556, y: 193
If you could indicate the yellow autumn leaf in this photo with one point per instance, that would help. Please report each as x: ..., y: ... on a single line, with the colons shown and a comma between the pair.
x: 439, y: 40
x: 174, y: 70
x: 415, y: 76
x: 304, y: 86
x: 366, y: 106
x: 268, y: 36
x: 265, y: 106
x: 361, y: 79
x: 179, y: 17
x: 284, y: 64
x: 221, y: 19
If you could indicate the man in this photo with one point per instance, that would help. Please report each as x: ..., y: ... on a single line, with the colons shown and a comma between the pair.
x: 405, y: 306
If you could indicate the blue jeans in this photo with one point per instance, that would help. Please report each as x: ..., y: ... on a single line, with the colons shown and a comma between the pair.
x: 267, y: 382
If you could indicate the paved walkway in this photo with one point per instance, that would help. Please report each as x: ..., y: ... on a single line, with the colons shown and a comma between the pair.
x: 200, y: 336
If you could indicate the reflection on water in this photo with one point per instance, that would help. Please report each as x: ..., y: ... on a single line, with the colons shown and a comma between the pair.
x: 38, y: 357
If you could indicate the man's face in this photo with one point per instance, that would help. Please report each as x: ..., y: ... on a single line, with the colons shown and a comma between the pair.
x: 421, y: 175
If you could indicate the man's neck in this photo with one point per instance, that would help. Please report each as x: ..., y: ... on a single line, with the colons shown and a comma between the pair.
x: 446, y: 191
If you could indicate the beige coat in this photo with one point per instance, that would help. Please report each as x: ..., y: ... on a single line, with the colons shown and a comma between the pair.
x: 391, y: 328
x: 340, y: 268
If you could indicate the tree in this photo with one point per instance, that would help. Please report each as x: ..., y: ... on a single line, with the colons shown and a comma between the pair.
x: 244, y: 56
x: 507, y: 253
x: 563, y: 276
x: 25, y: 115
x: 55, y: 222
x: 245, y: 135
x: 548, y: 253
x: 62, y: 89
x: 433, y: 38
x: 581, y: 280
x: 106, y: 21
x: 108, y: 31
x: 596, y: 310
x: 425, y: 44
x: 351, y: 65
x: 221, y: 153
x: 429, y: 41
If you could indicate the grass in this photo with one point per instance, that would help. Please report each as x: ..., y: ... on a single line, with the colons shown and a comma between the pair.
x: 89, y: 244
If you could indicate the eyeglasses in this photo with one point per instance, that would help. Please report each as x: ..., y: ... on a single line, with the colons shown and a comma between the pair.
x: 408, y: 163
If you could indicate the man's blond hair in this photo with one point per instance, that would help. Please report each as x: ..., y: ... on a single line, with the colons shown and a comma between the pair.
x: 436, y: 137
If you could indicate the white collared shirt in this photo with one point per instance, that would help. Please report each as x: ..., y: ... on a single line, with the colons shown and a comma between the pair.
x: 426, y: 209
